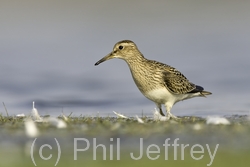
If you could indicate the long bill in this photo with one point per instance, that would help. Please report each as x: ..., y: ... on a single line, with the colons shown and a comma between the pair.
x: 109, y: 56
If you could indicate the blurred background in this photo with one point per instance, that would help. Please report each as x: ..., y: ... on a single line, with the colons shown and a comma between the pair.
x: 48, y: 50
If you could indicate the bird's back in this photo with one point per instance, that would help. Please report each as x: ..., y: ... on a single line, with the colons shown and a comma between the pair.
x: 149, y: 75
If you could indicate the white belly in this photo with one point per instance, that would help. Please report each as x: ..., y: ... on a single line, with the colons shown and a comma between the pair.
x: 162, y: 96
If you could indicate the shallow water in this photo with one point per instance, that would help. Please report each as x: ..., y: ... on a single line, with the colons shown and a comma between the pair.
x: 48, y: 53
x: 229, y: 144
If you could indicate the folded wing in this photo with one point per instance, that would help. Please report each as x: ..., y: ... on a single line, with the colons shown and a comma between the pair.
x: 177, y: 83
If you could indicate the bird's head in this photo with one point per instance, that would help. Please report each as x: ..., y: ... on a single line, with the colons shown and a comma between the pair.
x: 125, y: 50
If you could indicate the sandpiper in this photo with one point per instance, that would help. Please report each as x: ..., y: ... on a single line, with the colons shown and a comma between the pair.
x: 158, y: 82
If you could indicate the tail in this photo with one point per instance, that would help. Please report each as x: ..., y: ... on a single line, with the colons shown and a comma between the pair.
x: 201, y: 90
x: 204, y: 93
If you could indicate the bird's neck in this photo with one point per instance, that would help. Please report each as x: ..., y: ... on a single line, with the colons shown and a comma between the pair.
x: 135, y: 60
x: 139, y: 72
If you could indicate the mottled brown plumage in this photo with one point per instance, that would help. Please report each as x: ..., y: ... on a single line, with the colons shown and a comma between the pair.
x: 159, y: 82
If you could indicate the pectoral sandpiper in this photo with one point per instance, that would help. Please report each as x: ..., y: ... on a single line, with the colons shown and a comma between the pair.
x: 158, y: 82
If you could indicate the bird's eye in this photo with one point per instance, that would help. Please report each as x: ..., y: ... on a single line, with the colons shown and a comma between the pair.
x: 120, y: 47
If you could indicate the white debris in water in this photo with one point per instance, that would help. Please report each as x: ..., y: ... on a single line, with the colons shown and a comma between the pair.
x: 215, y: 120
x: 120, y: 115
x: 158, y: 116
x: 116, y: 126
x: 35, y: 115
x: 20, y: 115
x: 30, y: 128
x: 139, y: 120
x: 51, y: 120
x: 197, y: 126
x: 65, y: 118
x: 55, y: 122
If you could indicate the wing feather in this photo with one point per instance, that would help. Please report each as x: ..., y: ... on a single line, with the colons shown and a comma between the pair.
x: 177, y: 83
